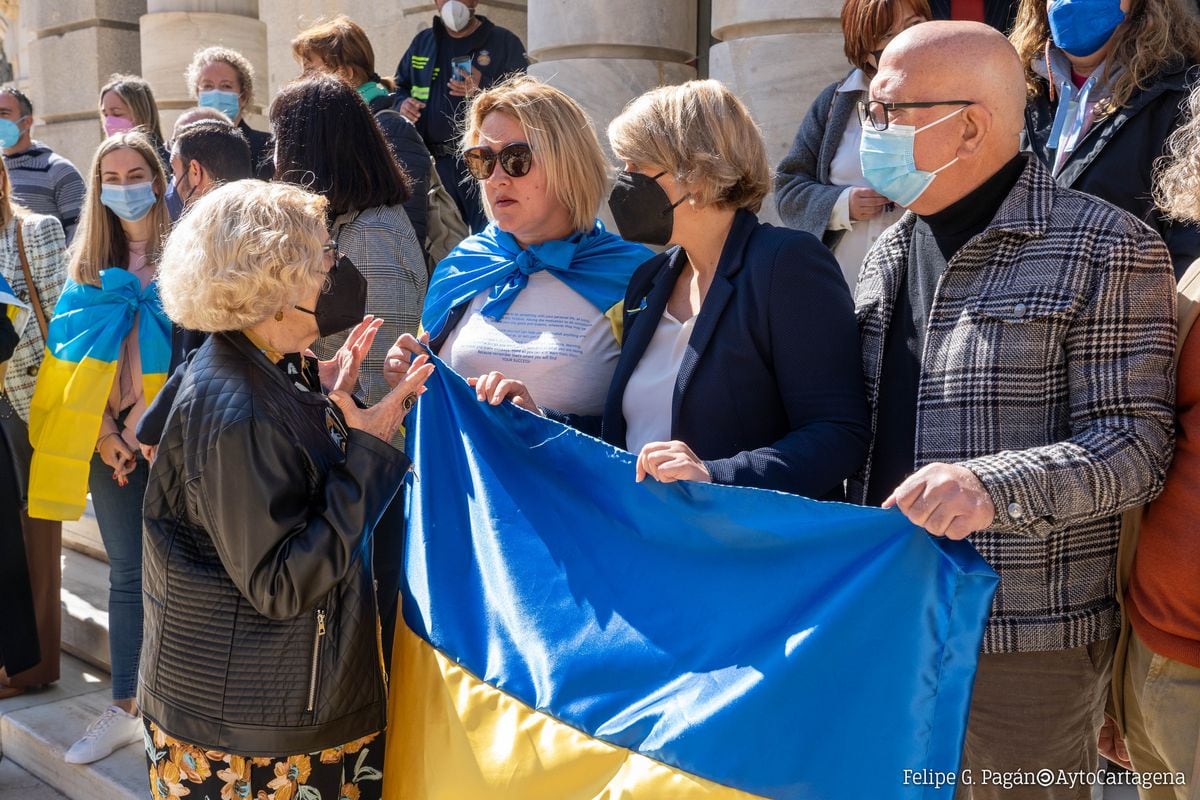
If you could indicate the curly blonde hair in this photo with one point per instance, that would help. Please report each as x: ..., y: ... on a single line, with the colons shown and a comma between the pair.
x: 703, y: 135
x: 211, y: 55
x: 243, y: 252
x: 1156, y: 35
x: 1177, y: 173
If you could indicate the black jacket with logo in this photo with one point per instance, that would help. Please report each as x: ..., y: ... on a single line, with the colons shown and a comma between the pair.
x: 423, y: 72
x: 260, y: 619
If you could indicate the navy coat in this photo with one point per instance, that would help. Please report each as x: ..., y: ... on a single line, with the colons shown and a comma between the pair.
x: 770, y: 390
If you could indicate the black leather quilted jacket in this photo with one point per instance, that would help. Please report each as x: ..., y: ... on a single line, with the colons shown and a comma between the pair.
x: 260, y: 615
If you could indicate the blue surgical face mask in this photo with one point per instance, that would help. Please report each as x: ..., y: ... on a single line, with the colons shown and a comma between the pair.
x: 1081, y: 27
x: 131, y: 202
x: 889, y: 164
x: 10, y: 132
x: 227, y: 103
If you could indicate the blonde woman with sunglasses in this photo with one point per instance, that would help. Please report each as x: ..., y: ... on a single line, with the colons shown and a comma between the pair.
x: 530, y: 293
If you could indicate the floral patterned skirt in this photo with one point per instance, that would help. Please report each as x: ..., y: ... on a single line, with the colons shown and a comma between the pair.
x: 348, y: 772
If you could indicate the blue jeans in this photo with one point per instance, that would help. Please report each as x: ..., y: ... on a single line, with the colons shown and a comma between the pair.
x: 119, y: 514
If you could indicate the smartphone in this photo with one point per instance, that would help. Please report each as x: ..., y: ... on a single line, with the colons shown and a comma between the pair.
x: 460, y: 66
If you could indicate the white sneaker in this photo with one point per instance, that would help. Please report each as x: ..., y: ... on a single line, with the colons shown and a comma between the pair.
x: 112, y: 731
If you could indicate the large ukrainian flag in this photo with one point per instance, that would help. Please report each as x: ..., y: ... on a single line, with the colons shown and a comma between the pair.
x: 568, y: 633
x: 84, y: 343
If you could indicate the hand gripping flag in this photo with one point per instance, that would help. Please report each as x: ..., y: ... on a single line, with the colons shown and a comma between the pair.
x: 569, y: 634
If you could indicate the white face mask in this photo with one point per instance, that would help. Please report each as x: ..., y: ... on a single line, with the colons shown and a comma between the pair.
x: 456, y: 15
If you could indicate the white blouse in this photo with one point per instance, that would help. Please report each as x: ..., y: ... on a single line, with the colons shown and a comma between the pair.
x: 650, y: 392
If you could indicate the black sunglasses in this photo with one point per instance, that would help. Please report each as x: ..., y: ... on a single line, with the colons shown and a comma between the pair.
x: 516, y: 159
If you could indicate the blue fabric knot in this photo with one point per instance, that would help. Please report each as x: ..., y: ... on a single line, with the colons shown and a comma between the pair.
x: 93, y: 321
x: 596, y: 264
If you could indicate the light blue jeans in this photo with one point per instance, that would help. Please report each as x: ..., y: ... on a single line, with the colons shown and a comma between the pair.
x: 119, y: 515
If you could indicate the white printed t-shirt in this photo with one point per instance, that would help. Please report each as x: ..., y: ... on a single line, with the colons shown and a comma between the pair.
x: 560, y: 345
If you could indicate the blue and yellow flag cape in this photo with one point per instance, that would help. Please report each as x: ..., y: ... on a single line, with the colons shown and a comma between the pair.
x: 16, y: 310
x: 77, y: 374
x: 569, y: 634
x: 597, y: 264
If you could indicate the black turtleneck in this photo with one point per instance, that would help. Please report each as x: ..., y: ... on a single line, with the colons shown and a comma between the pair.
x: 936, y: 239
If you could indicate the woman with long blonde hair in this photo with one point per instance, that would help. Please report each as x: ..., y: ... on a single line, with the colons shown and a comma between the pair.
x: 107, y: 355
x: 1106, y: 82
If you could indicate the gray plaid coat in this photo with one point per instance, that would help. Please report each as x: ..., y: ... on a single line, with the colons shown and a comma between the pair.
x: 1047, y: 371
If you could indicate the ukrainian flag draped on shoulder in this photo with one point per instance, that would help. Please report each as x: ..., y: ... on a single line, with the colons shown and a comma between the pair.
x: 16, y: 310
x: 569, y: 634
x: 596, y: 264
x: 84, y: 344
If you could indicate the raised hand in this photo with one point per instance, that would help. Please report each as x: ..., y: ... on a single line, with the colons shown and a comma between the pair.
x: 383, y: 419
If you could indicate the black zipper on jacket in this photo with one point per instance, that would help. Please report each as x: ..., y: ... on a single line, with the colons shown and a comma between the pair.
x: 316, y: 660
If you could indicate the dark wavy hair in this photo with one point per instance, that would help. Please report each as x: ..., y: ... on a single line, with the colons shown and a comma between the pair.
x: 328, y: 142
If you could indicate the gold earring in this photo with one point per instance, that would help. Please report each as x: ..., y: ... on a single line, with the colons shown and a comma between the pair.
x: 279, y: 316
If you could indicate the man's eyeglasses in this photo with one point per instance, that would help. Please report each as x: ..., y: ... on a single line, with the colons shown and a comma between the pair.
x: 516, y: 159
x: 877, y: 113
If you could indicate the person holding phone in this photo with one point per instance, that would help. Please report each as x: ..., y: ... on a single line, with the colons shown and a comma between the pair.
x: 460, y: 54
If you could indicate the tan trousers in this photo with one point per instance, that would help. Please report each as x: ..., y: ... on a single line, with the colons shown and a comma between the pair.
x: 1162, y: 720
x: 1032, y: 712
x: 43, y: 552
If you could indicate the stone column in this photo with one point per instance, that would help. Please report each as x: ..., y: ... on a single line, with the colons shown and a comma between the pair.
x: 172, y: 30
x: 777, y: 55
x: 9, y: 24
x: 605, y: 54
x: 76, y: 45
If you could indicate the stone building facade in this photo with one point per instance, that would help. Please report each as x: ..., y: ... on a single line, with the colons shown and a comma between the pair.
x: 776, y: 54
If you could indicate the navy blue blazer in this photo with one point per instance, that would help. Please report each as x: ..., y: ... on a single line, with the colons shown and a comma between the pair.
x: 770, y: 391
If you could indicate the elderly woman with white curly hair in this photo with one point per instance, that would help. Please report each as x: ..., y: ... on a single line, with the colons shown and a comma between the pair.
x: 261, y: 667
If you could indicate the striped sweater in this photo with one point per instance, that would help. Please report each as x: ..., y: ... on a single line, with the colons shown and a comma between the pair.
x: 46, y: 183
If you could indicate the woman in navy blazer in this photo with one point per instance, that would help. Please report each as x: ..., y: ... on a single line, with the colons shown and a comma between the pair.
x: 740, y: 361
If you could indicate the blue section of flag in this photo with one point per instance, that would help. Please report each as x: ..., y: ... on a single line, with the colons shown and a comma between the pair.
x: 781, y: 646
x: 596, y: 264
x: 93, y: 321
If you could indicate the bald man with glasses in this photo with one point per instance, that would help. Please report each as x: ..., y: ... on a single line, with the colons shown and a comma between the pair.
x: 1017, y: 345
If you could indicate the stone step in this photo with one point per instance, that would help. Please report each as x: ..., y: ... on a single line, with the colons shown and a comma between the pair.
x: 16, y: 782
x: 83, y: 535
x: 36, y: 729
x: 85, y: 608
